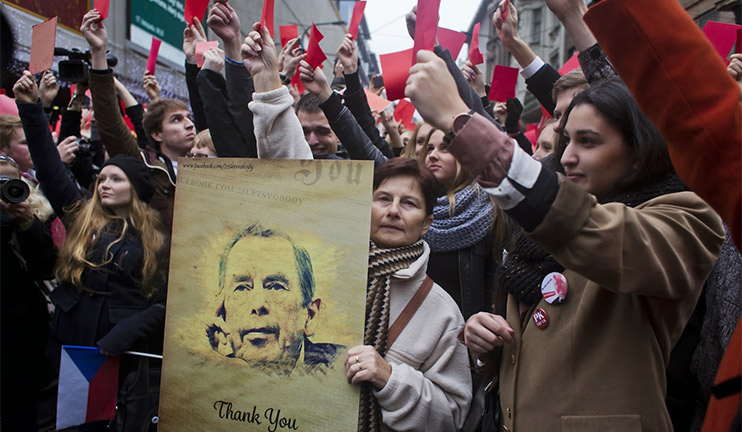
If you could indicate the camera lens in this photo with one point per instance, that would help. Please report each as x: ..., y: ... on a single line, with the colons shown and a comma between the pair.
x: 14, y: 191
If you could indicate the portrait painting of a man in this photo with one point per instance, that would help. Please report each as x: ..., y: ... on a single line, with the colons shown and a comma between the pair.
x: 266, y: 291
x: 266, y: 308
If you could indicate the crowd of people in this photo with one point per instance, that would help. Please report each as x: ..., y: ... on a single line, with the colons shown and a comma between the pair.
x: 587, y: 281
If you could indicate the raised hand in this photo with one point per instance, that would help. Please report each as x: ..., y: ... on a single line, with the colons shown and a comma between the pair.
x: 259, y: 57
x: 430, y: 83
x: 25, y: 89
x: 507, y: 29
x: 214, y: 59
x: 290, y: 56
x: 569, y: 13
x: 348, y: 55
x: 475, y: 77
x: 191, y: 34
x: 94, y: 30
x: 67, y: 149
x: 48, y: 88
x: 315, y: 81
x: 411, y: 19
x: 372, y: 87
x: 152, y: 87
x: 735, y: 66
x: 564, y: 8
x: 223, y: 21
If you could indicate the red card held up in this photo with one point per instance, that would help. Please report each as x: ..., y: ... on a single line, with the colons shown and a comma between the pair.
x: 376, y: 103
x: 475, y: 56
x: 403, y: 113
x: 396, y: 69
x: 287, y: 33
x: 195, y: 9
x: 154, y: 50
x: 102, y: 7
x: 451, y: 40
x: 572, y: 63
x: 201, y: 48
x: 355, y: 21
x: 739, y: 41
x: 267, y: 17
x: 43, y: 36
x: 296, y: 81
x: 722, y: 36
x: 315, y: 56
x: 426, y: 25
x: 504, y: 80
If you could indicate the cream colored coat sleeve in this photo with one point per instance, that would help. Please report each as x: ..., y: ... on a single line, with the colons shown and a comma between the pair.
x: 277, y: 129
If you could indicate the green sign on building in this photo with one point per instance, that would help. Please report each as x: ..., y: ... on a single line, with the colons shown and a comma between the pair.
x: 163, y: 19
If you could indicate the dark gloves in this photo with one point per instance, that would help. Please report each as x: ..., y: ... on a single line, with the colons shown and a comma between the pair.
x: 515, y: 109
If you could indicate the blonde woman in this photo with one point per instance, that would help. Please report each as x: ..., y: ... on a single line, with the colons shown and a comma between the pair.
x: 112, y: 284
x: 468, y: 233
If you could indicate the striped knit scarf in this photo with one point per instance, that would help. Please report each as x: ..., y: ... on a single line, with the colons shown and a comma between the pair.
x: 382, y: 263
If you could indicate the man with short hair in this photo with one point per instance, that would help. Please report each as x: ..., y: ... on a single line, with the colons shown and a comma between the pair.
x: 317, y: 131
x: 565, y: 89
x: 266, y: 310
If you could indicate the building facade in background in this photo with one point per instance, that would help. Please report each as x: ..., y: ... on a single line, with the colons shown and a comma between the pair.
x: 543, y: 32
x: 131, y: 24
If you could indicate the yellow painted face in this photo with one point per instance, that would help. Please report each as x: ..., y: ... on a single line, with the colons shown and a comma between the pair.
x: 263, y: 302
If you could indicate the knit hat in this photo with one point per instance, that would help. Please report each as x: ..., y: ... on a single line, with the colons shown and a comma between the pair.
x: 138, y: 174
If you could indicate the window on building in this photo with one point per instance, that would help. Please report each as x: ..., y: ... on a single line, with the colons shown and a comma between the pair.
x: 536, y: 26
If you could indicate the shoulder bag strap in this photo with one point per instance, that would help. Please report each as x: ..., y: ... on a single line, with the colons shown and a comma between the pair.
x: 399, y: 324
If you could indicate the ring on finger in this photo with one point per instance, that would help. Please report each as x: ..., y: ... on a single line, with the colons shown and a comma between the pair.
x: 357, y: 360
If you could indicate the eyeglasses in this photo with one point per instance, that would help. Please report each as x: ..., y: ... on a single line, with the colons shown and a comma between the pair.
x: 9, y: 159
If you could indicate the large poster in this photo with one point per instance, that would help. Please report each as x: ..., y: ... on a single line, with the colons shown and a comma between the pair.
x: 266, y: 293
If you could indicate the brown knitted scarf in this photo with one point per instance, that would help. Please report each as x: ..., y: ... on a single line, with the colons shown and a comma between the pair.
x: 382, y: 263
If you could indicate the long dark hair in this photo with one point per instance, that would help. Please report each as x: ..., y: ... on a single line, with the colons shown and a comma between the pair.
x: 612, y: 99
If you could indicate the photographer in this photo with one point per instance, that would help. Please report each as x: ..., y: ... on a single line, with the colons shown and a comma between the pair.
x: 83, y: 155
x: 27, y: 254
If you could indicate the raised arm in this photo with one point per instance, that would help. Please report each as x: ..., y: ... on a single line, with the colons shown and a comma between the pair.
x: 56, y: 183
x: 225, y: 134
x: 342, y: 122
x: 594, y: 63
x: 192, y: 34
x: 111, y: 125
x: 277, y: 129
x: 355, y: 97
x: 223, y: 21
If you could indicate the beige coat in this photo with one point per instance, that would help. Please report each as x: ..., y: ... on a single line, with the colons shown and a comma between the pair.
x: 430, y: 385
x: 634, y: 277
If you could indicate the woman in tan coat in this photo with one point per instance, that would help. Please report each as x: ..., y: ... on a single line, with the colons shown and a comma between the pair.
x: 636, y: 247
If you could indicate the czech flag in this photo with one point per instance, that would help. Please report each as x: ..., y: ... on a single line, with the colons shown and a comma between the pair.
x: 88, y: 384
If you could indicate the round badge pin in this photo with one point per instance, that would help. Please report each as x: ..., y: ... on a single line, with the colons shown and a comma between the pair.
x: 541, y: 318
x: 554, y: 288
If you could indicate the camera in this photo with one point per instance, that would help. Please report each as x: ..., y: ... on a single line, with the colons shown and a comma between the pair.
x: 13, y: 191
x: 77, y: 67
x: 85, y: 148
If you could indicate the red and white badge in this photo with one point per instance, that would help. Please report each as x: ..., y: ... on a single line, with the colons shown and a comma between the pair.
x: 554, y: 288
x: 541, y: 318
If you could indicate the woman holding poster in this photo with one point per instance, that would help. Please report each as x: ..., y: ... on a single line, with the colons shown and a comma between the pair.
x: 413, y: 372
